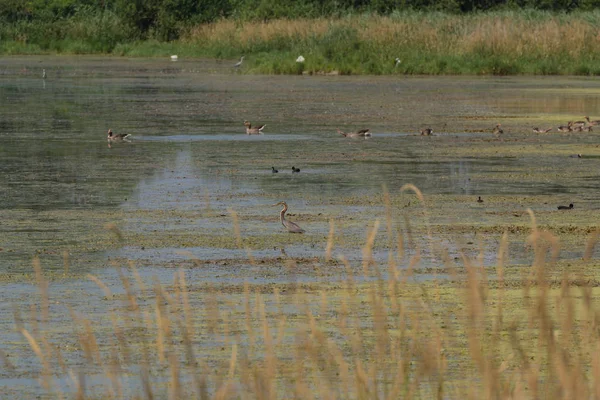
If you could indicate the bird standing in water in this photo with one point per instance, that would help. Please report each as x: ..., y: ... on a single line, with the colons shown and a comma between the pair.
x: 290, y: 226
x: 239, y: 63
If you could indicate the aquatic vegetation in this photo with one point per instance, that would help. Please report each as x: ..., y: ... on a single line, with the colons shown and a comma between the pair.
x: 467, y: 330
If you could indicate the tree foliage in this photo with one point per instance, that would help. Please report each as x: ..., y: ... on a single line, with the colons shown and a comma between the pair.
x: 32, y: 20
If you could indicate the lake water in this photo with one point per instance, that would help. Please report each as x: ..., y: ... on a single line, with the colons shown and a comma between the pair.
x: 171, y: 191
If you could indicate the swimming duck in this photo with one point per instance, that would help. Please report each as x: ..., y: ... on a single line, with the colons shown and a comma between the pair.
x: 586, y: 129
x: 497, y: 130
x: 480, y: 200
x: 118, y: 137
x: 253, y: 131
x: 274, y: 170
x: 575, y: 155
x: 294, y: 169
x: 361, y: 133
x: 426, y: 132
x: 592, y: 123
x: 570, y: 207
x: 538, y: 130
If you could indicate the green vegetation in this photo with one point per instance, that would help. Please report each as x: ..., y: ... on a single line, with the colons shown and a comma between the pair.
x: 348, y: 37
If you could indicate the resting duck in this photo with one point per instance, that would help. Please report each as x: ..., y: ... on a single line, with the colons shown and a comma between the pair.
x: 480, y: 200
x: 565, y: 128
x: 274, y: 170
x: 592, y: 123
x: 570, y: 207
x: 578, y: 124
x: 497, y: 130
x: 253, y: 131
x: 294, y: 169
x: 361, y: 133
x: 426, y: 132
x: 538, y: 130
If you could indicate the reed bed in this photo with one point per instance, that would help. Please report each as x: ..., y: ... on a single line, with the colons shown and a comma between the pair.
x: 502, y: 332
x: 524, y: 42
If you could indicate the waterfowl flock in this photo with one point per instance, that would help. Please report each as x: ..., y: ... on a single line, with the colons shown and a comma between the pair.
x: 572, y: 126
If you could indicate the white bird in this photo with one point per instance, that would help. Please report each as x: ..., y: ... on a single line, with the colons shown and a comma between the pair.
x: 44, y: 73
x: 300, y: 59
x: 398, y: 62
x: 174, y: 58
x: 239, y: 63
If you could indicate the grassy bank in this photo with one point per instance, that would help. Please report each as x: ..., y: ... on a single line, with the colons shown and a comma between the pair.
x: 500, y: 43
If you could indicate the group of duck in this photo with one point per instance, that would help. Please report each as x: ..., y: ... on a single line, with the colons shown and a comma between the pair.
x: 573, y: 126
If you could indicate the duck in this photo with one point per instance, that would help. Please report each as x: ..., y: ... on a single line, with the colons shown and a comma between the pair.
x: 587, y: 129
x: 360, y: 133
x: 592, y: 123
x: 497, y: 130
x: 578, y: 155
x: 480, y: 200
x: 538, y: 130
x: 120, y: 137
x: 294, y: 169
x: 426, y: 132
x: 253, y: 131
x: 570, y: 207
x: 274, y: 170
x: 578, y: 124
x: 565, y: 128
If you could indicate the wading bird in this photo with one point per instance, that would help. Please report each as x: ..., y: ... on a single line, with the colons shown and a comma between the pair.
x: 565, y: 207
x: 253, y: 131
x: 44, y: 73
x: 397, y: 62
x: 361, y: 133
x: 239, y: 63
x: 290, y: 226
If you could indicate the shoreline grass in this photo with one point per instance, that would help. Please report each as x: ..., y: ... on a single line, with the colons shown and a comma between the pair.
x: 492, y: 43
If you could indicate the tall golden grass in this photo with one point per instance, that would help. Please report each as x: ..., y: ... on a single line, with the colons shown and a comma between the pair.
x: 513, y: 42
x: 479, y: 332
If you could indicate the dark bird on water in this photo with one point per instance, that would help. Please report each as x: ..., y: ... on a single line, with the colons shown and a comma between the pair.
x: 570, y: 207
x: 480, y: 200
x: 294, y: 169
x: 274, y: 170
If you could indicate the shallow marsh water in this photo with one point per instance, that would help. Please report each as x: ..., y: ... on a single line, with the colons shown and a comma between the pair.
x: 171, y: 192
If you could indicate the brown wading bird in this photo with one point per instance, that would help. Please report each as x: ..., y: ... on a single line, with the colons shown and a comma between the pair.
x: 253, y: 131
x: 497, y: 130
x: 426, y: 132
x: 290, y: 226
x: 538, y: 130
x: 361, y: 133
